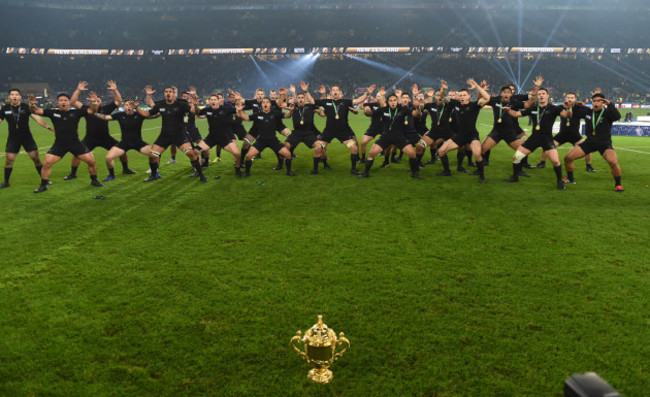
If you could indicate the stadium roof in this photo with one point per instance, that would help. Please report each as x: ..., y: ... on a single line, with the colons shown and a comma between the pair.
x: 207, y: 5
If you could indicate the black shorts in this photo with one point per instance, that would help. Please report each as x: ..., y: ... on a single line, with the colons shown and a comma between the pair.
x: 164, y: 140
x: 271, y: 142
x: 539, y: 140
x: 126, y: 146
x: 461, y: 139
x: 373, y: 133
x: 342, y: 135
x: 508, y: 136
x: 567, y: 137
x: 194, y: 134
x: 240, y: 131
x: 75, y: 147
x: 280, y: 126
x: 591, y: 145
x: 254, y: 131
x: 25, y: 140
x: 436, y: 134
x: 413, y: 138
x: 105, y: 141
x: 398, y: 140
x: 221, y: 139
x: 306, y: 137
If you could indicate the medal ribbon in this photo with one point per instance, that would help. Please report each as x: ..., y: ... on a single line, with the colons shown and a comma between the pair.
x: 538, y: 116
x: 392, y: 117
x: 441, y: 112
x: 594, y: 124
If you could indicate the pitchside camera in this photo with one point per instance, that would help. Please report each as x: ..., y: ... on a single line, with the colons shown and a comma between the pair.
x: 588, y: 384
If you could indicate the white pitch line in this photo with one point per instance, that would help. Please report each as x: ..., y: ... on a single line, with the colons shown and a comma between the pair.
x: 630, y: 150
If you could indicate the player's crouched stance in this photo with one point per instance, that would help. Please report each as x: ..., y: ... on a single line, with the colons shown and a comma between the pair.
x: 598, y: 129
x: 393, y: 117
x: 172, y: 113
x: 267, y: 121
x: 65, y: 121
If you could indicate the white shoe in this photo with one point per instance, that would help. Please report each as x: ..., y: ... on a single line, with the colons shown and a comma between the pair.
x: 148, y: 171
x: 172, y: 161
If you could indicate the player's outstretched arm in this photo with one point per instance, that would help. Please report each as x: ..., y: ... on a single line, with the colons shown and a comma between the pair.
x: 363, y: 97
x: 532, y: 98
x: 117, y: 97
x: 32, y: 105
x: 74, y: 99
x: 39, y: 120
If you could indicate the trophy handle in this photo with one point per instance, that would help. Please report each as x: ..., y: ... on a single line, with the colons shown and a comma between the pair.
x: 298, y: 339
x: 342, y: 340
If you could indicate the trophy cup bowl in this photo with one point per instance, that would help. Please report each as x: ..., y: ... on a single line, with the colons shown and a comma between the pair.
x: 319, y: 350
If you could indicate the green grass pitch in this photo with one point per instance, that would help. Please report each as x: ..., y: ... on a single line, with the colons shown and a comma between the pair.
x: 444, y: 287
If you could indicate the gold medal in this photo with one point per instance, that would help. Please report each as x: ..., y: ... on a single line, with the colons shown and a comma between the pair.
x: 450, y: 119
x: 336, y: 117
x: 568, y: 124
x: 438, y: 122
x: 406, y: 122
x: 302, y: 122
x: 537, y: 128
x: 498, y: 121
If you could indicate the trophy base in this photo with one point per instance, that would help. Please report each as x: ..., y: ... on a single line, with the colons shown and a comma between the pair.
x: 320, y: 375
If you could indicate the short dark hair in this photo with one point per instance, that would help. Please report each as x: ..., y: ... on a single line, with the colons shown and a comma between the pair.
x: 542, y: 89
x: 464, y: 89
x: 391, y: 94
x: 572, y: 93
x: 598, y: 95
x: 14, y: 89
x: 506, y: 87
x: 406, y: 93
x: 63, y: 94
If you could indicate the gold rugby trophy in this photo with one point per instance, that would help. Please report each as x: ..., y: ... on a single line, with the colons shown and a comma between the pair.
x: 320, y: 343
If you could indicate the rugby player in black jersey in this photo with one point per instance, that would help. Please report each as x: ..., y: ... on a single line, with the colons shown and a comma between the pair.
x: 255, y: 105
x: 411, y: 127
x: 131, y: 126
x: 569, y: 132
x: 193, y: 131
x: 421, y: 121
x: 598, y: 129
x: 267, y: 122
x: 543, y: 116
x: 66, y: 137
x: 337, y: 125
x: 375, y: 128
x: 238, y: 127
x: 97, y: 132
x: 395, y: 126
x: 220, y: 122
x: 465, y: 115
x: 172, y: 112
x: 17, y: 115
x: 438, y: 107
x: 503, y: 127
x: 518, y: 100
x: 304, y: 130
